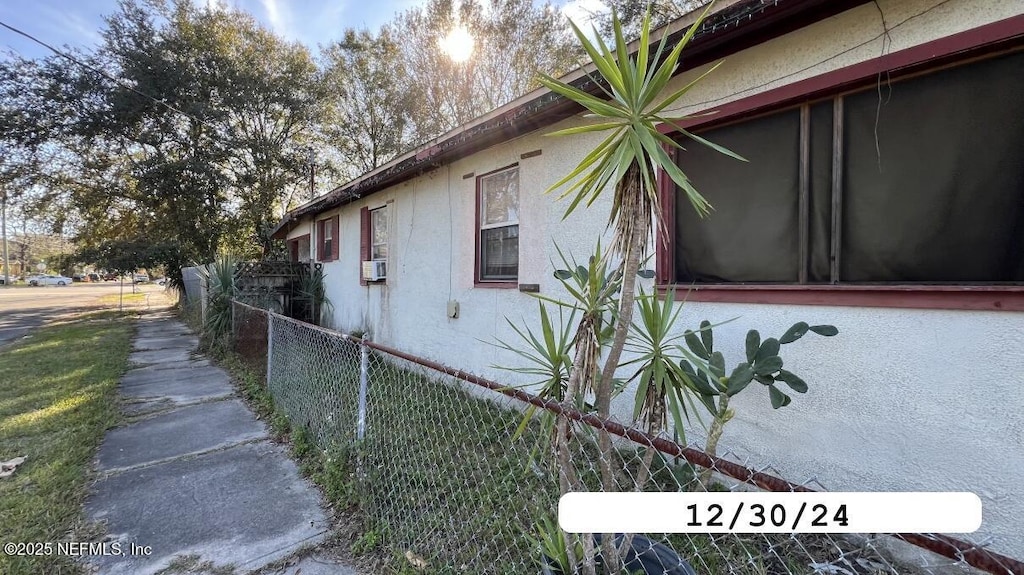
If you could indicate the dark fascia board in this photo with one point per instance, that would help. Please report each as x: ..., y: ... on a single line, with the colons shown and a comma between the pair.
x: 735, y: 27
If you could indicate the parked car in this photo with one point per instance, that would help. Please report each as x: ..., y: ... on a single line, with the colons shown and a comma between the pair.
x: 110, y: 277
x: 141, y: 278
x: 94, y: 277
x: 79, y: 278
x: 48, y: 280
x: 31, y: 279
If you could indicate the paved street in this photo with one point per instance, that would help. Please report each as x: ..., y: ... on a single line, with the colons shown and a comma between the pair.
x: 25, y: 308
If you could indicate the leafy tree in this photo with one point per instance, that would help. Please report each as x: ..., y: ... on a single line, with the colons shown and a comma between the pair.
x: 273, y: 98
x: 151, y: 153
x: 19, y: 158
x: 126, y: 255
x: 513, y: 40
x: 193, y: 134
x: 631, y: 14
x: 370, y: 98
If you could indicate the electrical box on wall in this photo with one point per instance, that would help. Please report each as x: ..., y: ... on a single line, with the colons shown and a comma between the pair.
x: 453, y: 309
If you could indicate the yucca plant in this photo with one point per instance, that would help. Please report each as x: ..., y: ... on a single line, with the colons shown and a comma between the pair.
x: 664, y: 388
x: 548, y: 356
x: 564, y: 355
x: 220, y: 290
x: 312, y: 290
x: 557, y: 549
x: 631, y: 108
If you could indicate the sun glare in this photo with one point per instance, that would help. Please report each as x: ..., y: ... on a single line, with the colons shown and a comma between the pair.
x: 458, y: 44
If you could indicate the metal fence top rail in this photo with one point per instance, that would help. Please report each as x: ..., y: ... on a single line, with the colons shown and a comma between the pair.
x: 956, y: 549
x: 301, y: 324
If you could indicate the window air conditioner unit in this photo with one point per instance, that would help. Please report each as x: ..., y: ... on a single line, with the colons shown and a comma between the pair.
x: 375, y: 270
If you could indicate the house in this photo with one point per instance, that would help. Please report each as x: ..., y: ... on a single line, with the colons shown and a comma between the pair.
x: 884, y: 194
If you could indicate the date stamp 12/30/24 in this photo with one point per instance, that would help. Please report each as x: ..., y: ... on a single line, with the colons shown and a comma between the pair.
x: 767, y: 512
x: 76, y: 549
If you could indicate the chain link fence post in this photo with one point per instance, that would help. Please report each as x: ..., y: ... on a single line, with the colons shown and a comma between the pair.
x: 364, y: 377
x: 270, y: 346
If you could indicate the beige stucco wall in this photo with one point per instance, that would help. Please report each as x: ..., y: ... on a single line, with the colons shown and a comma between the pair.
x: 849, y: 38
x: 900, y: 400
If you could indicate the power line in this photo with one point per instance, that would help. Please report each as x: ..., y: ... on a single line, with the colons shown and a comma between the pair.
x: 884, y: 34
x: 105, y: 75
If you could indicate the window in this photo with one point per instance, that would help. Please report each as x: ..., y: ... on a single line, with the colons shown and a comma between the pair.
x: 498, y: 226
x: 921, y: 185
x: 373, y: 242
x: 298, y: 249
x: 379, y: 234
x: 327, y: 232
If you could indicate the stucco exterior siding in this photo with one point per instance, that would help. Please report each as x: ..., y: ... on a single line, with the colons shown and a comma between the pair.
x: 900, y: 400
x: 849, y: 38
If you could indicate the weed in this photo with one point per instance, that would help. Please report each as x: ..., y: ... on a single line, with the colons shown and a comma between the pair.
x: 191, y: 565
x: 370, y: 540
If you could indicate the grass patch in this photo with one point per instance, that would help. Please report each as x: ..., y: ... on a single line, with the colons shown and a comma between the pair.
x: 443, y: 474
x: 193, y: 565
x: 129, y: 298
x: 57, y: 397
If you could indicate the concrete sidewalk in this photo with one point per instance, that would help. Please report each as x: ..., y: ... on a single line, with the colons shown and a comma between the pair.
x: 193, y: 476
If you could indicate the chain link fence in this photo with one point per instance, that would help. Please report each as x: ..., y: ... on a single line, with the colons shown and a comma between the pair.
x: 454, y: 479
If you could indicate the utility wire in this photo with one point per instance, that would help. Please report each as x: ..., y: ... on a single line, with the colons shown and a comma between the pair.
x: 105, y: 75
x: 886, y: 33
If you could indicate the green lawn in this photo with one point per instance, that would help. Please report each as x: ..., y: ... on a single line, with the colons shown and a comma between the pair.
x: 57, y: 397
x: 128, y: 298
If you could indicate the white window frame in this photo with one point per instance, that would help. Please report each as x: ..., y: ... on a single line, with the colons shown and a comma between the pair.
x: 373, y: 235
x: 326, y: 225
x: 482, y: 226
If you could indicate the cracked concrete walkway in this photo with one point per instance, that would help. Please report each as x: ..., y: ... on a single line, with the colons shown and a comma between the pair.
x: 193, y: 473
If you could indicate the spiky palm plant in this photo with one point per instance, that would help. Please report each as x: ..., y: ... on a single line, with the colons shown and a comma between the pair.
x: 312, y: 290
x: 220, y: 284
x: 631, y: 109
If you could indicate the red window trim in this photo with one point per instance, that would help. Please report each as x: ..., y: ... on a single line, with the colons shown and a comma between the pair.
x: 335, y: 237
x: 477, y: 282
x: 320, y: 225
x: 991, y: 298
x: 958, y: 47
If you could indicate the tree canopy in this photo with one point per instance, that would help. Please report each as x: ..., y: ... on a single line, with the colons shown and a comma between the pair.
x: 195, y: 129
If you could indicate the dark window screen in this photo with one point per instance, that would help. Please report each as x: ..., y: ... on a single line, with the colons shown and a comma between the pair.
x: 933, y: 191
x: 820, y: 198
x: 752, y: 233
x: 499, y: 253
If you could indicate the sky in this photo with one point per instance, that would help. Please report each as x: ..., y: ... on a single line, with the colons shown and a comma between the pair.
x: 313, y: 22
